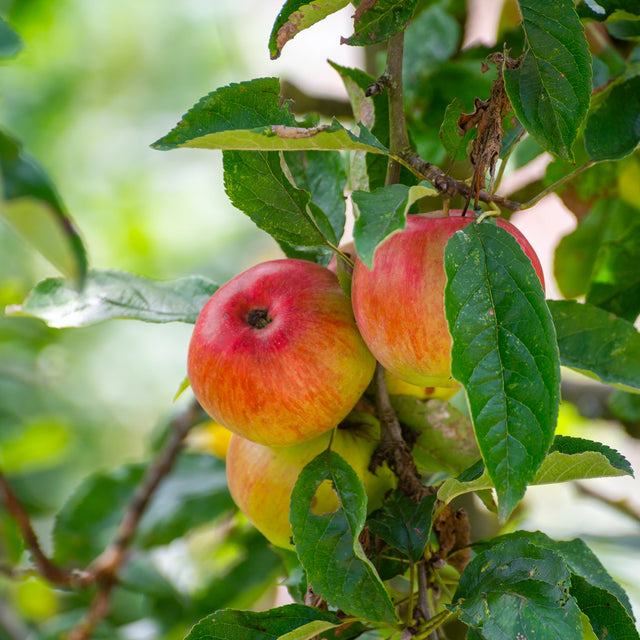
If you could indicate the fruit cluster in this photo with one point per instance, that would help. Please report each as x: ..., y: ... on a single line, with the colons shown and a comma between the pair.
x: 280, y: 355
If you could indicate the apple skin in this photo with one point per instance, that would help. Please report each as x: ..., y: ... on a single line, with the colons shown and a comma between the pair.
x: 276, y: 355
x: 399, y: 305
x: 261, y: 478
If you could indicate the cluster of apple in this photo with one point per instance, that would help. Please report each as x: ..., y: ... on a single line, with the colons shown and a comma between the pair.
x: 280, y: 355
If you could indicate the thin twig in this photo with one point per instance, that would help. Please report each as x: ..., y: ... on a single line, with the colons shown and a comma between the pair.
x: 105, y: 567
x: 622, y: 506
x: 45, y: 566
x: 448, y: 185
x: 553, y: 187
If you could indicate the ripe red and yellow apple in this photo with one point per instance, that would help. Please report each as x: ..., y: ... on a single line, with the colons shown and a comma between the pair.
x: 399, y: 304
x: 261, y: 478
x: 276, y: 355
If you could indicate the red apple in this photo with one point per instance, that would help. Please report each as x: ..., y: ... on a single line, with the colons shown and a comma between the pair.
x: 399, y: 305
x: 276, y: 355
x: 262, y: 478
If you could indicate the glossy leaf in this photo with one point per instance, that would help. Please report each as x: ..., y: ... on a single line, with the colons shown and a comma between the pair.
x: 297, y: 15
x: 382, y: 212
x: 31, y: 204
x: 10, y: 41
x: 289, y: 622
x: 328, y: 545
x: 380, y: 21
x: 568, y: 459
x: 194, y: 493
x: 403, y: 524
x: 504, y: 353
x: 601, y: 10
x: 597, y: 343
x: 551, y: 89
x: 514, y: 589
x: 612, y: 130
x: 111, y: 294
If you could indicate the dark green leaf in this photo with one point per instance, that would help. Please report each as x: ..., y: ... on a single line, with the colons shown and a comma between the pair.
x: 297, y: 15
x: 517, y: 590
x: 382, y: 212
x: 601, y: 10
x: 30, y: 203
x: 328, y: 545
x: 116, y: 294
x: 615, y: 279
x: 504, y: 353
x: 381, y: 21
x: 403, y: 524
x: 608, y: 617
x: 551, y: 89
x: 10, y: 41
x: 290, y: 622
x: 367, y: 170
x: 257, y: 185
x: 597, y: 343
x: 580, y: 560
x: 454, y: 144
x: 613, y: 127
x: 194, y: 493
x: 322, y: 174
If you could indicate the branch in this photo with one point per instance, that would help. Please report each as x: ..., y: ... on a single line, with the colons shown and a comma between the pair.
x: 45, y: 566
x: 448, y: 185
x: 622, y: 506
x: 103, y: 570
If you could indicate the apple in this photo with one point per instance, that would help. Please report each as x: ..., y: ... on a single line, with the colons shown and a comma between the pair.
x: 399, y: 305
x: 261, y: 478
x: 210, y: 437
x: 398, y: 387
x: 276, y: 355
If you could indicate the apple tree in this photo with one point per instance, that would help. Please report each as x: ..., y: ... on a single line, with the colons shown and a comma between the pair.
x: 434, y: 128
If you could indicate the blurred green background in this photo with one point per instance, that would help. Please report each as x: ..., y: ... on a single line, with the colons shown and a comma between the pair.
x: 97, y: 81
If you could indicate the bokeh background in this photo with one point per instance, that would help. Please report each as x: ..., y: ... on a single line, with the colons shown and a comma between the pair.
x: 96, y: 83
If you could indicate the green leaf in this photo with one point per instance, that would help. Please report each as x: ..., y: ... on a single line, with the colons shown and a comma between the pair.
x: 30, y: 203
x: 194, y: 493
x: 116, y: 294
x: 613, y: 129
x: 297, y: 15
x: 608, y: 617
x: 454, y: 144
x: 289, y: 622
x: 551, y: 89
x: 403, y: 524
x: 586, y: 570
x: 576, y: 253
x: 10, y: 41
x: 382, y: 20
x: 568, y: 459
x: 504, y: 353
x: 328, y: 545
x: 602, y: 10
x: 615, y: 279
x: 597, y: 343
x: 517, y: 590
x: 368, y: 170
x: 257, y: 185
x: 322, y: 174
x: 381, y: 213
